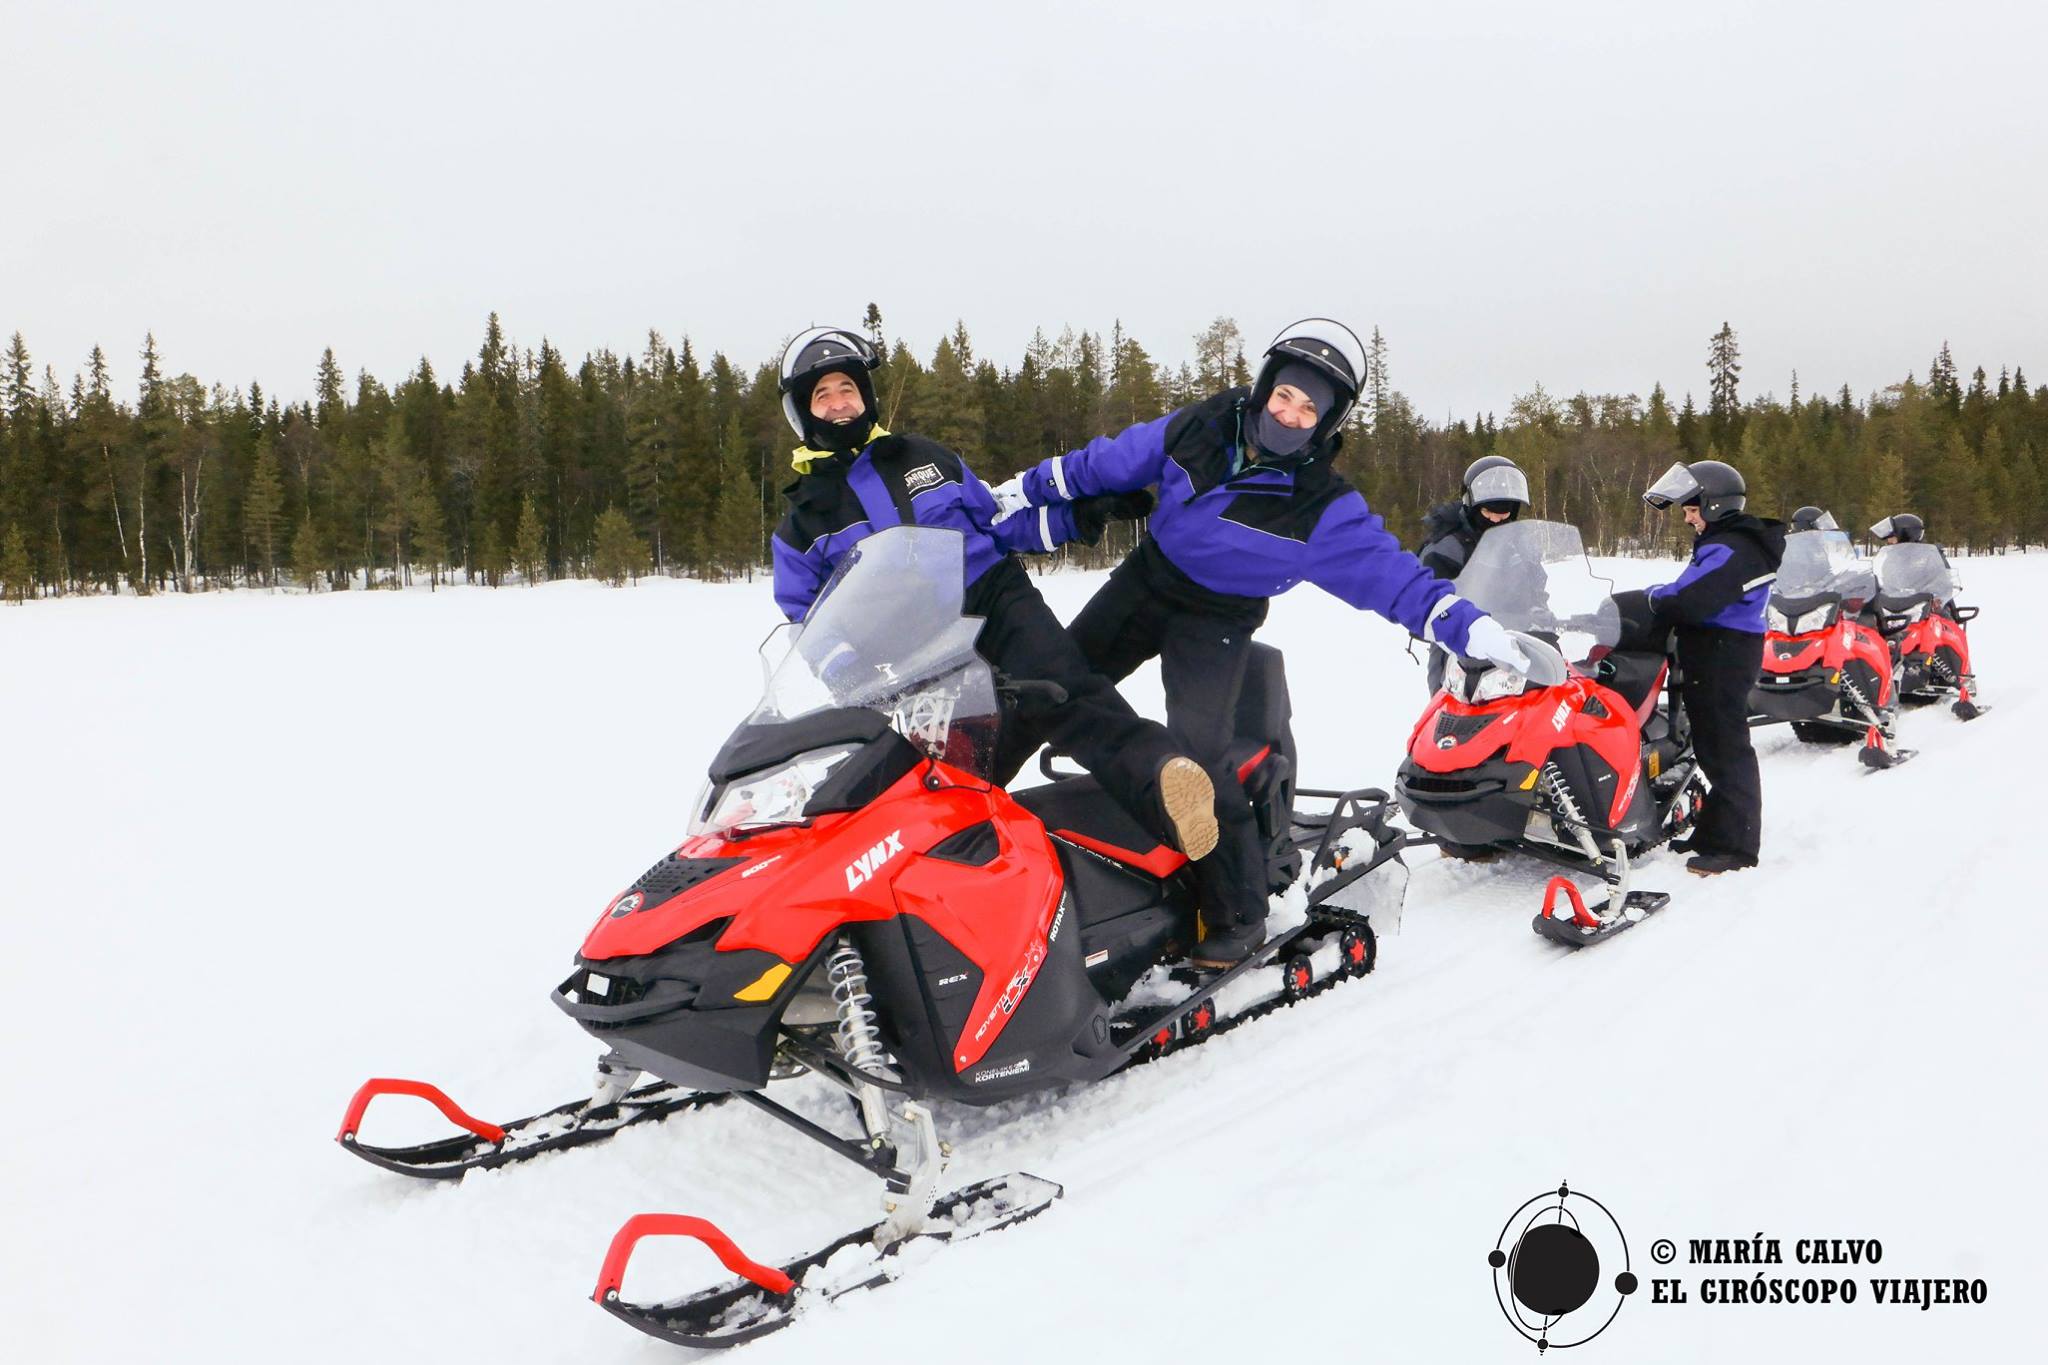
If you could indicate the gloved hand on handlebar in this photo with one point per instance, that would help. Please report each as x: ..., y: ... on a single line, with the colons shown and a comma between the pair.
x: 1091, y: 515
x: 1010, y: 498
x: 1489, y: 640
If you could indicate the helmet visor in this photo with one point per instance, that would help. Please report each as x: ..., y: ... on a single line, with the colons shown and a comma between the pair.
x: 1502, y: 483
x: 1326, y: 344
x: 819, y: 348
x: 1883, y: 528
x: 1825, y: 522
x: 1675, y: 485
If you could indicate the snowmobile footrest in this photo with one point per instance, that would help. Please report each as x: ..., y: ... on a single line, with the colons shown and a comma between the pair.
x: 766, y: 1298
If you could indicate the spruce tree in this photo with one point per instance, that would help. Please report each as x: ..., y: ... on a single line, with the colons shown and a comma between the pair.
x: 1724, y: 403
x: 17, y: 575
x: 529, y: 545
x: 619, y: 554
x: 309, y: 557
x: 491, y: 560
x: 263, y: 512
x: 737, y: 520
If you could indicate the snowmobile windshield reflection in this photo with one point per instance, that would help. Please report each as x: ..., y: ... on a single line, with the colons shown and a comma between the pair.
x: 887, y: 635
x: 1534, y: 576
x: 1823, y: 564
x: 1915, y: 569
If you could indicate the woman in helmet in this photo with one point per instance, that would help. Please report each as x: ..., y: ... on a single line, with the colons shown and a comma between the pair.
x: 1248, y: 507
x: 1493, y: 492
x: 1717, y: 606
x: 854, y: 478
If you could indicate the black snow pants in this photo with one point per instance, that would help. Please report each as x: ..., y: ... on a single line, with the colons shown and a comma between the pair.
x: 1719, y: 667
x: 1149, y: 609
x: 1023, y: 639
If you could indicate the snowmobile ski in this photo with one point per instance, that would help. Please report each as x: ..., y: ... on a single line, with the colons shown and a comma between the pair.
x: 1598, y: 923
x: 767, y: 1298
x: 486, y: 1145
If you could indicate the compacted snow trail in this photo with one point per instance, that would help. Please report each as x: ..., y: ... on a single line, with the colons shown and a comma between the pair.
x: 259, y: 848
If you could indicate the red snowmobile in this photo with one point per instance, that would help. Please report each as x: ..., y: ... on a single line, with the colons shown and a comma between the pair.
x: 1827, y: 669
x: 858, y: 905
x: 1916, y: 602
x: 1586, y: 767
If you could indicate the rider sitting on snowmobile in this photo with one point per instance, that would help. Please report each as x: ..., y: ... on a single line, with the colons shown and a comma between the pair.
x: 855, y: 478
x: 1717, y: 605
x: 1249, y: 506
x: 1493, y: 492
x: 1811, y: 518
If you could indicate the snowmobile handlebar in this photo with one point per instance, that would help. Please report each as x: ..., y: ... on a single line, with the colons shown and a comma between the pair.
x: 1041, y: 690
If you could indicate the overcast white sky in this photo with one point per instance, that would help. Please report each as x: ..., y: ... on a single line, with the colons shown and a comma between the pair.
x: 1570, y: 193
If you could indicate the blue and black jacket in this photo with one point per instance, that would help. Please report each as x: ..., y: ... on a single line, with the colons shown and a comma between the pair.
x: 838, y: 500
x: 1728, y: 583
x: 1241, y: 529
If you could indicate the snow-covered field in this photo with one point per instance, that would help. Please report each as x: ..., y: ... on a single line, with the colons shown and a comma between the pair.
x: 256, y: 848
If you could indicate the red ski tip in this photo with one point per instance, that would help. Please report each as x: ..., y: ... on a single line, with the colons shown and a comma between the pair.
x: 1580, y: 915
x: 351, y: 1121
x: 682, y: 1225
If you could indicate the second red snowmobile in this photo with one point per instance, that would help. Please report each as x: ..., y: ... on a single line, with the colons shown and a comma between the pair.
x: 858, y: 903
x: 1827, y: 669
x: 1587, y: 770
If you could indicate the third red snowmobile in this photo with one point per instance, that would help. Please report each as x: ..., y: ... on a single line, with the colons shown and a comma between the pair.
x: 1916, y: 591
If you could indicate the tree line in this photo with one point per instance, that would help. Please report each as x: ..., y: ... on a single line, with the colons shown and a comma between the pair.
x: 521, y: 468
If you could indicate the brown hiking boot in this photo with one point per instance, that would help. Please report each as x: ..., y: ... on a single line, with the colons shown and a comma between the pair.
x: 1189, y: 800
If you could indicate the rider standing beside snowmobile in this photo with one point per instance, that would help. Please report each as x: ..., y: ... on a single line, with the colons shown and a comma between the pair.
x: 1717, y: 606
x: 1493, y: 492
x: 1248, y: 507
x: 854, y: 478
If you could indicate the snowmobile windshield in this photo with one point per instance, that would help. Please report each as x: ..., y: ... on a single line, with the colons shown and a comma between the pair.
x: 1534, y: 576
x: 1913, y: 568
x: 1820, y: 563
x: 888, y: 635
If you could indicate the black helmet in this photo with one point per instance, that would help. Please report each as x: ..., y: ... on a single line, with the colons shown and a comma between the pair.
x: 1328, y: 346
x: 815, y: 353
x: 1904, y: 525
x: 1495, y: 478
x: 1716, y: 487
x: 1813, y: 519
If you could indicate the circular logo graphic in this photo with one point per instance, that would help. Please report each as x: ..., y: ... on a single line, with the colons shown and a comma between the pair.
x: 1547, y: 1267
x: 627, y: 904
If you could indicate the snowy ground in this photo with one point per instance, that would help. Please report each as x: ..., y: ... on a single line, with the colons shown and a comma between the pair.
x: 257, y: 848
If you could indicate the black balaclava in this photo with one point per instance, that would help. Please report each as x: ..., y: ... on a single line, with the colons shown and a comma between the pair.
x: 841, y: 437
x: 1275, y: 439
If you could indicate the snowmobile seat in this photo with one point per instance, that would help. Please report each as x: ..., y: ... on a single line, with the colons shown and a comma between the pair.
x: 1079, y: 810
x: 1633, y: 674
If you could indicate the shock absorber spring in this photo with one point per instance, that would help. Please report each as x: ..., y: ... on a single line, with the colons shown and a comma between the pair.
x: 1560, y: 792
x: 860, y: 1038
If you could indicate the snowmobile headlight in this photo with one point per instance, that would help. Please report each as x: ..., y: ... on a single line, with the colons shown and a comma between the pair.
x: 1809, y: 621
x: 772, y: 796
x: 1497, y: 682
x: 1776, y: 621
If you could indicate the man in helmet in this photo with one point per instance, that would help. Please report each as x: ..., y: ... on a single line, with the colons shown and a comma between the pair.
x: 1248, y: 507
x: 1810, y: 518
x: 1494, y: 491
x: 855, y: 478
x: 1900, y: 527
x: 1717, y: 605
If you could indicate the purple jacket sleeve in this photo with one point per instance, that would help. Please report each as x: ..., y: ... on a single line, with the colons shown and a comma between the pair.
x: 1035, y: 530
x: 1354, y: 557
x: 798, y: 578
x: 1710, y: 582
x: 1134, y: 458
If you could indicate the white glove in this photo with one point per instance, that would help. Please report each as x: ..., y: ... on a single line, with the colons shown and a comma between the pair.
x: 1488, y: 639
x: 1010, y: 498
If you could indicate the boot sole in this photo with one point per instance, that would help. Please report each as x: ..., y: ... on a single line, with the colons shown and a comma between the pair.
x: 1190, y: 801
